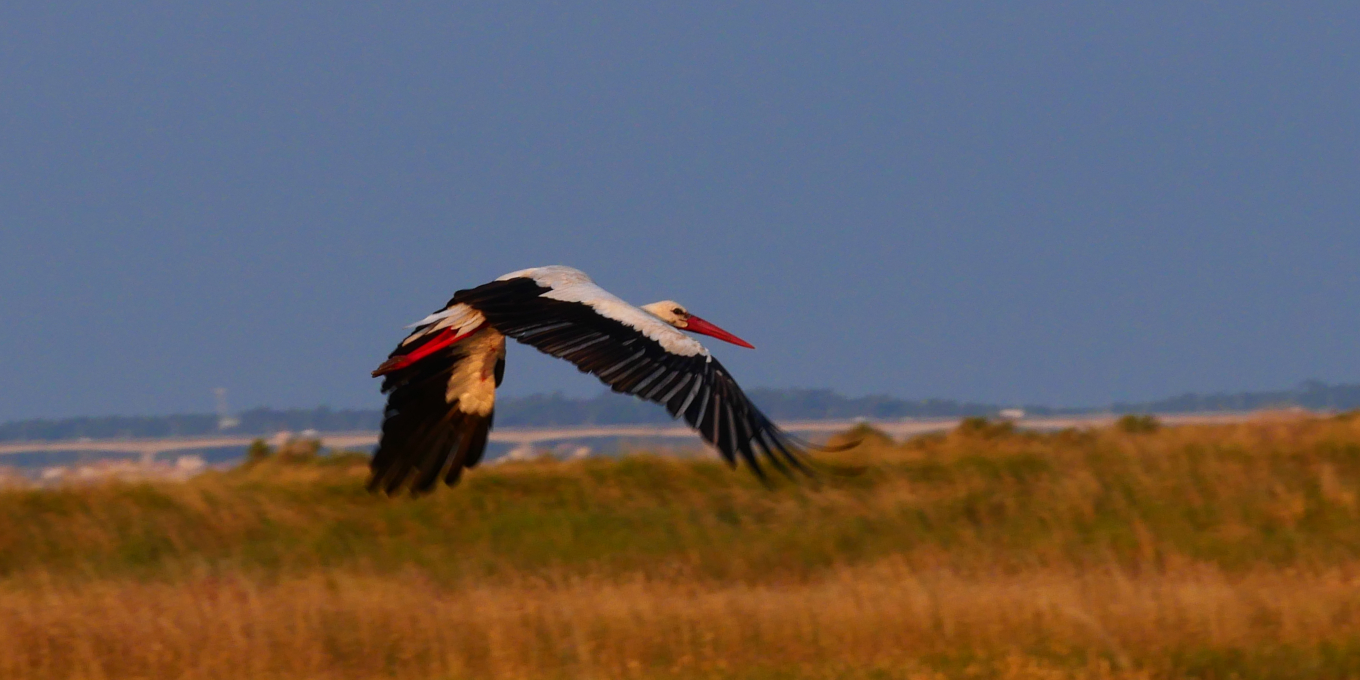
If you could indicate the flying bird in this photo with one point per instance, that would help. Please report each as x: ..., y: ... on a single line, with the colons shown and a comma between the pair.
x: 441, y: 380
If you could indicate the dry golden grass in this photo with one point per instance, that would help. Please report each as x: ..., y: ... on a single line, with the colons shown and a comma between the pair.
x: 884, y: 616
x: 881, y: 616
x: 1213, y: 552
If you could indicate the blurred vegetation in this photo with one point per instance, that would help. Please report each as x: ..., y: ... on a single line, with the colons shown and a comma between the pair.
x: 981, y: 497
x: 1129, y: 551
x: 258, y: 452
x: 1137, y: 424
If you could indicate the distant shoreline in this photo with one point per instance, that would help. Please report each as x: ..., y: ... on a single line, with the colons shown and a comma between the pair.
x: 613, y: 410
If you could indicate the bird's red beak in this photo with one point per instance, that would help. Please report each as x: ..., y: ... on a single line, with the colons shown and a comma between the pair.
x: 697, y: 325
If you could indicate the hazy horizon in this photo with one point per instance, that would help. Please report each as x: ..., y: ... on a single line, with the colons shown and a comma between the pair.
x: 602, y: 393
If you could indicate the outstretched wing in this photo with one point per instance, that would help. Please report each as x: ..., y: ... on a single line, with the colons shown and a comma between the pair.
x: 440, y: 384
x: 559, y: 311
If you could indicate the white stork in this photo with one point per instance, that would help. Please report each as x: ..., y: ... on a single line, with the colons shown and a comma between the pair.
x: 441, y: 380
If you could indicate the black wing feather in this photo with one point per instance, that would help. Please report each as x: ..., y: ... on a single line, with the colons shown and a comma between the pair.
x: 424, y: 436
x: 696, y: 387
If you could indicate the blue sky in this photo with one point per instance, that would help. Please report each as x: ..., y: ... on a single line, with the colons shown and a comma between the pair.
x: 1066, y: 203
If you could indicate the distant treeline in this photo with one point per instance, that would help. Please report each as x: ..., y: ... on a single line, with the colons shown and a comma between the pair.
x: 1311, y: 394
x: 613, y: 409
x: 533, y: 411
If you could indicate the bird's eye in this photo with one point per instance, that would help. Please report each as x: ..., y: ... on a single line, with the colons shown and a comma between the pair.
x: 678, y: 312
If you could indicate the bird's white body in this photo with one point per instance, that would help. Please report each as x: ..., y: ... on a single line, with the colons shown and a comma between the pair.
x: 572, y: 285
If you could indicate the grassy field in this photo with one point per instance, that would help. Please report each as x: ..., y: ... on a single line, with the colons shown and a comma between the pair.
x: 1128, y: 552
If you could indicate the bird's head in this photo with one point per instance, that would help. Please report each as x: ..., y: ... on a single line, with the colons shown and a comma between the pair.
x: 676, y: 315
